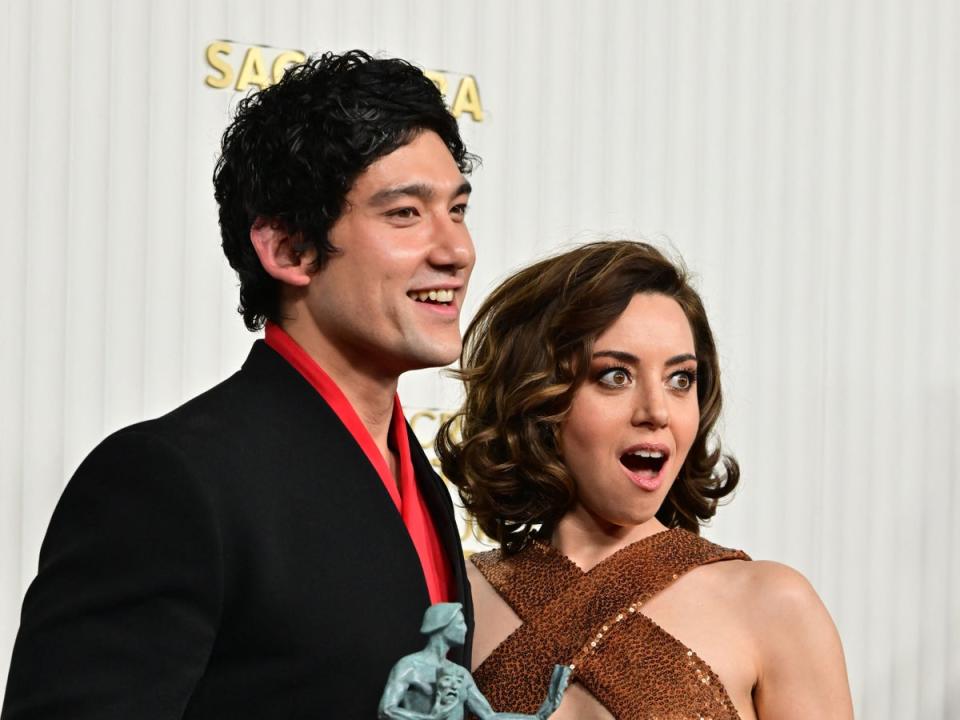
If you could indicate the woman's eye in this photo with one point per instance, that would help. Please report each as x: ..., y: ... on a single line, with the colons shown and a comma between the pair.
x: 682, y: 380
x: 615, y: 377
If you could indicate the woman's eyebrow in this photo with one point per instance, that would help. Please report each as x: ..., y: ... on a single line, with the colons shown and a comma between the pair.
x: 677, y: 359
x: 626, y: 357
x: 620, y: 355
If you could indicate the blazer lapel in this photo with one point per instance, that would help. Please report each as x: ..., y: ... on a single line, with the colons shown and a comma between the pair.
x: 438, y: 501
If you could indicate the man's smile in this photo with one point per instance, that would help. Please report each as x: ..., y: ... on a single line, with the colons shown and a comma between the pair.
x: 434, y: 295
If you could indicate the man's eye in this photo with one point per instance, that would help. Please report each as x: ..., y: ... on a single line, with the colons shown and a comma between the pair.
x: 404, y: 213
x: 615, y: 377
x: 459, y: 210
x: 682, y: 380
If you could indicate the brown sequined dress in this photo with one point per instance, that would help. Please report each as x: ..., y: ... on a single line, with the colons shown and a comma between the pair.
x: 593, y: 621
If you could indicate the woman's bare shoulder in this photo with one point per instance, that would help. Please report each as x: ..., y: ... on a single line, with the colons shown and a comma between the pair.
x: 801, y: 670
x: 776, y: 592
x: 761, y: 582
x: 768, y: 601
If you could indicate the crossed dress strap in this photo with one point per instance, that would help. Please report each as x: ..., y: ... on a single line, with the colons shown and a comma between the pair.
x: 593, y: 621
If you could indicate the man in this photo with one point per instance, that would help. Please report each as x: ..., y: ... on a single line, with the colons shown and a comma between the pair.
x: 267, y: 550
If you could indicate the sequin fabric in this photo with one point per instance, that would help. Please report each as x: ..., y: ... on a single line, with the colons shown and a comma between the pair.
x: 594, y: 622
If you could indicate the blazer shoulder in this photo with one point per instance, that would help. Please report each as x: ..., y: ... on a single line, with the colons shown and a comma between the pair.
x: 266, y: 392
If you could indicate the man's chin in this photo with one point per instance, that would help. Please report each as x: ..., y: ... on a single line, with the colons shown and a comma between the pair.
x: 430, y: 363
x: 439, y: 354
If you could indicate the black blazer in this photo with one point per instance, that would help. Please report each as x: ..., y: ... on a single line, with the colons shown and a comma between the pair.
x: 236, y: 558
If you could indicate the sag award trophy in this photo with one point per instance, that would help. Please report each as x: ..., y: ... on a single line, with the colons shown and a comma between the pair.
x: 427, y: 686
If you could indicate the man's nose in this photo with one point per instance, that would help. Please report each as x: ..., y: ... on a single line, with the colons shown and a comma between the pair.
x: 452, y: 246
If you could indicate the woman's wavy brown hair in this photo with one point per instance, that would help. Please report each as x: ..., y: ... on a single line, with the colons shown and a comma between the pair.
x: 526, y: 353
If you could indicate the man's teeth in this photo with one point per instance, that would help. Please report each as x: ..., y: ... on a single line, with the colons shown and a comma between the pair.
x: 443, y: 296
x: 648, y: 454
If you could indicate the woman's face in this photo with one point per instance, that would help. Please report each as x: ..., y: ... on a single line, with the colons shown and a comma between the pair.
x: 634, y: 418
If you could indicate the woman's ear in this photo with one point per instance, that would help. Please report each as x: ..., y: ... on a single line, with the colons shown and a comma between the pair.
x: 280, y: 253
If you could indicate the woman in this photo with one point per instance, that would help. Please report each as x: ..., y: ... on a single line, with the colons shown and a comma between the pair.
x: 587, y: 451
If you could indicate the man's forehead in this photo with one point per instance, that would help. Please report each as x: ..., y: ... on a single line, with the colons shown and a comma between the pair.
x: 424, y: 164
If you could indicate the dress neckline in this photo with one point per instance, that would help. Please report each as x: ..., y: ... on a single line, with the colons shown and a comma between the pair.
x: 657, y: 538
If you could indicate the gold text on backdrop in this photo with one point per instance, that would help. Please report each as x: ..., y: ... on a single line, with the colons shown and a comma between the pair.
x: 262, y: 65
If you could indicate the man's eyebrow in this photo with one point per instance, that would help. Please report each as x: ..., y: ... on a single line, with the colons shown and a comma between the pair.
x: 626, y: 357
x: 421, y: 191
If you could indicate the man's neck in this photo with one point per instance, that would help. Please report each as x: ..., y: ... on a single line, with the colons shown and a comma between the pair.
x: 370, y: 394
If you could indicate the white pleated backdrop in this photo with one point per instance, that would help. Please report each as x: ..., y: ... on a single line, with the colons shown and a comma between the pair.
x: 802, y: 157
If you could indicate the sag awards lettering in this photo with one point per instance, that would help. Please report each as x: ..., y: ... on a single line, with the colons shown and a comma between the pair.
x: 253, y: 67
x: 234, y: 67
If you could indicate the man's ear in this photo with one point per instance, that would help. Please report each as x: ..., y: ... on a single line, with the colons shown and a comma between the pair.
x: 279, y: 253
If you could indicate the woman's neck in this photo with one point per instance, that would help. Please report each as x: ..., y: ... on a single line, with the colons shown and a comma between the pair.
x: 587, y: 540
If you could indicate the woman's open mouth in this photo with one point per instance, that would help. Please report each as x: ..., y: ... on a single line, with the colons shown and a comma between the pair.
x: 644, y: 465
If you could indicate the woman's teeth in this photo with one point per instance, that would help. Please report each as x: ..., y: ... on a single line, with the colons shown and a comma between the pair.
x: 644, y: 460
x: 439, y: 296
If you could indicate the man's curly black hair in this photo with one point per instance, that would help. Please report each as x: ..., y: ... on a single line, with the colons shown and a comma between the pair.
x: 294, y: 150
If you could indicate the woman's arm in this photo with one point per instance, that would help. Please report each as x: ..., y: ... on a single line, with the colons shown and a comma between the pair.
x: 802, y: 670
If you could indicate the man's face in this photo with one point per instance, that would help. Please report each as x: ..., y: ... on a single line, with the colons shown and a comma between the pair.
x: 390, y: 299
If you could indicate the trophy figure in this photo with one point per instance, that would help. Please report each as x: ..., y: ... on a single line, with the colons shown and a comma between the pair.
x: 427, y: 686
